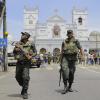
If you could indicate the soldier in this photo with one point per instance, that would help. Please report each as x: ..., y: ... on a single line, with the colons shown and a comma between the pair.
x: 69, y: 50
x: 23, y: 52
x: 49, y: 57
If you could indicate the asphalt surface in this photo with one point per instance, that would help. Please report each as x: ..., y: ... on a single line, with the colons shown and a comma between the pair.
x: 44, y: 85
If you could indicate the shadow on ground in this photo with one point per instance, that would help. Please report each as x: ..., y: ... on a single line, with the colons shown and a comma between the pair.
x: 14, y: 95
x: 61, y: 90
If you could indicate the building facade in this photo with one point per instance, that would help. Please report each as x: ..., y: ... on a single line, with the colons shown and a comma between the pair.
x: 49, y: 36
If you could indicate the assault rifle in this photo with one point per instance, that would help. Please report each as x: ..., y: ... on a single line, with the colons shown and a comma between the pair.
x: 60, y: 71
x: 22, y: 52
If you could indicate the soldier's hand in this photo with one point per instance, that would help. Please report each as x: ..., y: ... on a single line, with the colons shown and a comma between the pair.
x: 29, y: 56
x: 18, y: 46
x: 17, y: 49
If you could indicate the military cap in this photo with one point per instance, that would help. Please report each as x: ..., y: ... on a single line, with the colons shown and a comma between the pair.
x: 69, y: 31
x: 26, y: 33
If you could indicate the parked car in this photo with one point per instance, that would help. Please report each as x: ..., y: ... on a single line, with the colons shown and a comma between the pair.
x: 36, y: 61
x: 11, y: 60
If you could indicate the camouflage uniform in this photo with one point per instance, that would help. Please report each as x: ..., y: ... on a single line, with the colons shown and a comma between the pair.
x: 49, y: 58
x: 69, y: 58
x: 23, y: 64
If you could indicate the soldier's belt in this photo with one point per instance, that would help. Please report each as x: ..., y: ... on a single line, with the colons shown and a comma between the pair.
x: 70, y: 54
x: 24, y: 61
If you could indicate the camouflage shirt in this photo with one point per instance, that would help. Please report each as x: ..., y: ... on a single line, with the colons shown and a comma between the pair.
x: 70, y: 48
x: 26, y: 48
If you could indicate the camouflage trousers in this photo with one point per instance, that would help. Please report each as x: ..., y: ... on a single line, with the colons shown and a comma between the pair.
x: 49, y: 60
x: 68, y: 70
x: 22, y: 74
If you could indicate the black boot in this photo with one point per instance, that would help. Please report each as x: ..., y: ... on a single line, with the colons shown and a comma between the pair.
x: 25, y: 94
x: 69, y: 87
x: 22, y: 92
x: 65, y: 88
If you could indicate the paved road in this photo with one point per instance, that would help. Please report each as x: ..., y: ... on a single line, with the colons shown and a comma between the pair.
x: 44, y: 85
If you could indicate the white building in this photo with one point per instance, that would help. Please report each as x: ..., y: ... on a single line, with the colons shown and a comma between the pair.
x: 49, y: 35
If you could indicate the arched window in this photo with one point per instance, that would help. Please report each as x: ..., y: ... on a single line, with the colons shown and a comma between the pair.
x: 56, y: 51
x: 43, y: 50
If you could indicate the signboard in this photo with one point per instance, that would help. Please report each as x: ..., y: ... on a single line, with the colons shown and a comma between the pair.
x: 3, y: 42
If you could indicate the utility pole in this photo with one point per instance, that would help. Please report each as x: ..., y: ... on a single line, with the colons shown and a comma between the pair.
x: 5, y: 63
